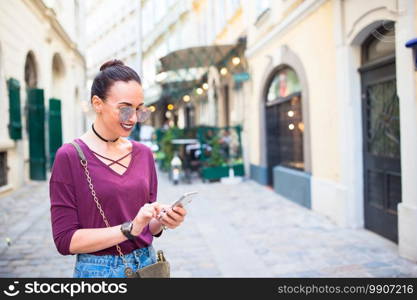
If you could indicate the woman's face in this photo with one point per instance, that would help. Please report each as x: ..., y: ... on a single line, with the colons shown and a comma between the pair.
x: 121, y: 95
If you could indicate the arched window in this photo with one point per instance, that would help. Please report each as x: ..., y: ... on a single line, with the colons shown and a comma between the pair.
x: 31, y: 74
x: 285, y: 125
x: 57, y: 65
x: 284, y: 83
x: 380, y: 44
x: 58, y: 75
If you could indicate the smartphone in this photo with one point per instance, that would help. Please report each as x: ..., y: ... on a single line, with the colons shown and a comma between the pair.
x: 184, y: 200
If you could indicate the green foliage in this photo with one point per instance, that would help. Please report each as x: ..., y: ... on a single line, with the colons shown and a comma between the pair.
x: 216, y: 158
x: 206, y: 135
x: 167, y: 148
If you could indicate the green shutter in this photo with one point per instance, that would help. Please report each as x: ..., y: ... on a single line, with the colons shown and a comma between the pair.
x: 36, y: 126
x: 15, y: 125
x: 55, y: 128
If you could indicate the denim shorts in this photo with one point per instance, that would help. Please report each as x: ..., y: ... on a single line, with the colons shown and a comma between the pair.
x: 112, y: 266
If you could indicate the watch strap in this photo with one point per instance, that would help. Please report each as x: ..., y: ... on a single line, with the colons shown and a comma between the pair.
x: 126, y: 231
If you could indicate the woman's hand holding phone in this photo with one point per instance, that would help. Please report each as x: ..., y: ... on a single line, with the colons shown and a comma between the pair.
x: 145, y: 215
x: 171, y: 217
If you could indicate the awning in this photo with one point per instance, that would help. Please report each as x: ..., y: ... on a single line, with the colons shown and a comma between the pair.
x: 195, y: 57
x: 180, y: 71
x: 176, y: 89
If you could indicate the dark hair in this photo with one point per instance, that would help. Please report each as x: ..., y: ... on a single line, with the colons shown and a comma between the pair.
x: 110, y: 72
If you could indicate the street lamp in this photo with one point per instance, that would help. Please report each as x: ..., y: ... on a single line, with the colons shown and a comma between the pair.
x: 223, y: 71
x: 186, y: 98
x: 236, y: 60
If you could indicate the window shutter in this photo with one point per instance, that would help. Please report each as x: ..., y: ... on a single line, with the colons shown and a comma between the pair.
x: 15, y: 125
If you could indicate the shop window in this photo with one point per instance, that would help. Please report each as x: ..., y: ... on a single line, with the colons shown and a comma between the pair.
x: 283, y: 105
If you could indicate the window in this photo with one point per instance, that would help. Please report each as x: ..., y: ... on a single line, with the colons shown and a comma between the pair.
x: 283, y: 84
x: 3, y: 168
x: 380, y: 44
x: 283, y: 103
x: 262, y: 6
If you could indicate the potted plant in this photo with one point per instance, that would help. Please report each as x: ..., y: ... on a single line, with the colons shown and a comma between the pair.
x: 217, y: 166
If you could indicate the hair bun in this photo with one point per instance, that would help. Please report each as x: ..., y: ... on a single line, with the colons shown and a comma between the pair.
x: 111, y: 63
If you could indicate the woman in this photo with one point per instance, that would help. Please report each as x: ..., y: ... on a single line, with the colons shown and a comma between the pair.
x: 124, y: 178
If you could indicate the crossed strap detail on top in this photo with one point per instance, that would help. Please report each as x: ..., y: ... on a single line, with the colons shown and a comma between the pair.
x: 113, y: 161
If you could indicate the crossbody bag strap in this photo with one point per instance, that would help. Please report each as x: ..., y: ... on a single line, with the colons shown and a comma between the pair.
x: 79, y: 151
x: 83, y: 161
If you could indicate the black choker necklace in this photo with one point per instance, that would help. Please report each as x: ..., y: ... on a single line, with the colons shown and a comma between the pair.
x: 101, y: 138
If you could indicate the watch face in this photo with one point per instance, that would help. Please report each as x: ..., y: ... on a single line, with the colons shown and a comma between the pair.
x: 127, y: 227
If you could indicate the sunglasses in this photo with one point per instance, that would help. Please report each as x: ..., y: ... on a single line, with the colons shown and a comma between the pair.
x: 126, y: 112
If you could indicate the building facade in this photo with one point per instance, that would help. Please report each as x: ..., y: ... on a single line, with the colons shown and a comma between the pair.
x: 324, y: 91
x: 42, y: 75
x: 333, y: 111
x: 113, y: 30
x: 166, y: 27
x: 182, y: 52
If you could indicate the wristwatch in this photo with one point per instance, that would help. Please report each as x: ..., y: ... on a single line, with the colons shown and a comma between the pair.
x: 126, y: 229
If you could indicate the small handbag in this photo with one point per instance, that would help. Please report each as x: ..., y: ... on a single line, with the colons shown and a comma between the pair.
x: 160, y: 269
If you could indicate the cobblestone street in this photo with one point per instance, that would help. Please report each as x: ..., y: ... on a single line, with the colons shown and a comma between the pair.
x: 243, y: 230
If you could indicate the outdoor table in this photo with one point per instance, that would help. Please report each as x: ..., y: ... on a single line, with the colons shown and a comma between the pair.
x: 183, y: 143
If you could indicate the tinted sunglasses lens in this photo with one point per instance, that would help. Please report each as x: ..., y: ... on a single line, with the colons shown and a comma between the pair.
x: 143, y: 115
x: 125, y: 113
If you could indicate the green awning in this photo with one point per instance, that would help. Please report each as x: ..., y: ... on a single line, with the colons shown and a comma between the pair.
x: 175, y: 90
x: 194, y: 57
x: 180, y: 71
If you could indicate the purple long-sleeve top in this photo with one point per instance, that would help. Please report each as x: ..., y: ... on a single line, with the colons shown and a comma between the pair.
x: 121, y: 196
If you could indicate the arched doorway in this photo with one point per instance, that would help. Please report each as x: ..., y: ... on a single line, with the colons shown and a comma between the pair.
x: 381, y: 132
x: 55, y: 107
x: 284, y: 121
x: 35, y: 120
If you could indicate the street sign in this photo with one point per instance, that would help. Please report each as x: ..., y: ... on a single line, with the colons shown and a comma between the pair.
x: 240, y: 77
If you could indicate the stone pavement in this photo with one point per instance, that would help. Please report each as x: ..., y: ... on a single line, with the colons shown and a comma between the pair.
x: 242, y: 230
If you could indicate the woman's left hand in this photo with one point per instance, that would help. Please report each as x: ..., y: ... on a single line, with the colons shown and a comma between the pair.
x: 172, y: 218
